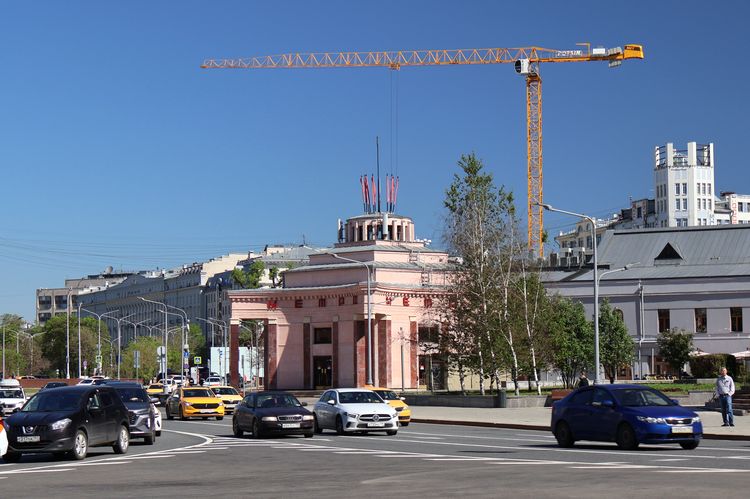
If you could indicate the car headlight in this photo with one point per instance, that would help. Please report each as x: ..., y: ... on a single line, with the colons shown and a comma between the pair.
x: 187, y: 403
x: 308, y: 417
x: 697, y: 419
x: 60, y: 425
x: 269, y: 418
x: 648, y: 419
x: 352, y: 415
x: 221, y: 404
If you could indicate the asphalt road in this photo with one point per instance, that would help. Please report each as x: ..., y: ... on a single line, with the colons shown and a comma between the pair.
x: 202, y: 458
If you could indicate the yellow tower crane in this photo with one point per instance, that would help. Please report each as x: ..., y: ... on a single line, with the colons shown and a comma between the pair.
x: 525, y: 59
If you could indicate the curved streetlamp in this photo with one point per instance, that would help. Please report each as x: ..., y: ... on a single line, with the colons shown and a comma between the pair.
x: 369, y: 312
x: 99, y: 318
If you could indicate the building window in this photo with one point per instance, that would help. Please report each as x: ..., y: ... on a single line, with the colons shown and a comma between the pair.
x: 663, y: 319
x: 342, y: 300
x: 639, y: 212
x: 355, y: 299
x: 684, y: 204
x: 297, y: 303
x: 684, y: 188
x: 676, y: 204
x: 619, y: 314
x: 322, y: 335
x: 321, y: 302
x: 709, y: 189
x: 677, y: 189
x: 428, y: 334
x: 700, y: 320
x: 735, y: 318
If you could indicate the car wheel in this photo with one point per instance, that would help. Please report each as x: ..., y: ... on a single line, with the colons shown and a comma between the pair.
x: 236, y: 428
x: 205, y: 419
x: 316, y: 427
x: 339, y: 425
x: 169, y: 414
x: 12, y: 457
x: 404, y: 424
x: 256, y: 429
x: 80, y: 446
x: 563, y: 435
x: 219, y: 418
x: 309, y: 435
x: 626, y: 437
x: 391, y: 432
x: 149, y: 440
x: 689, y: 445
x: 123, y: 441
x: 182, y: 415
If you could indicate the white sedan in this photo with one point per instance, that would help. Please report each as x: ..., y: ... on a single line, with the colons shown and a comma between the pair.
x: 349, y: 410
x: 3, y: 439
x: 157, y: 419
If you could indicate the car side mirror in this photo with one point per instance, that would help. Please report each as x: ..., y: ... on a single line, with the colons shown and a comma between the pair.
x: 675, y: 401
x: 154, y: 400
x: 303, y: 404
x: 608, y: 403
x: 332, y: 402
x: 402, y: 398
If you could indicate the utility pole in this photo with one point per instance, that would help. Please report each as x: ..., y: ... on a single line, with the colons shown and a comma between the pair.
x: 67, y: 338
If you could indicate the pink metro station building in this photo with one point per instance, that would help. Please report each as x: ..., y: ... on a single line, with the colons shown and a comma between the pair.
x: 315, y: 333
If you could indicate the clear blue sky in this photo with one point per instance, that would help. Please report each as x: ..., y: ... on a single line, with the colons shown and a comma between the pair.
x: 117, y: 149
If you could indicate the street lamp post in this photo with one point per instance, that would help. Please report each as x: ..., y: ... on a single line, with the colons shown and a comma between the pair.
x: 99, y: 318
x: 166, y: 326
x: 119, y: 341
x: 596, y: 283
x: 185, y: 326
x: 369, y: 313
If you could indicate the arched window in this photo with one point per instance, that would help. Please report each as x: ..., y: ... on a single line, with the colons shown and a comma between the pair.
x: 619, y: 314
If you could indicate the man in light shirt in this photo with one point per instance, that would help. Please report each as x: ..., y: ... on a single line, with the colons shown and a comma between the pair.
x: 725, y: 391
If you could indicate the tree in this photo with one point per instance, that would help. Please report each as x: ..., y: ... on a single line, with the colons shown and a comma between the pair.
x: 476, y: 226
x: 675, y: 346
x: 617, y: 348
x: 54, y: 343
x: 149, y: 366
x: 571, y: 339
x: 250, y: 277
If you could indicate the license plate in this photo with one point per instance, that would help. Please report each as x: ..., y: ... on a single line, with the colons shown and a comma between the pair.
x: 290, y: 425
x: 34, y: 438
x: 375, y: 425
x: 207, y: 410
x: 682, y: 429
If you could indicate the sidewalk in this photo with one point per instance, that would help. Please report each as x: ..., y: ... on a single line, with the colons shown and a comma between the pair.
x: 538, y: 418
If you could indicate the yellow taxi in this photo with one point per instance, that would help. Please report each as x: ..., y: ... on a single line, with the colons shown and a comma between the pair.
x: 194, y: 402
x: 403, y: 410
x: 229, y: 396
x: 155, y: 389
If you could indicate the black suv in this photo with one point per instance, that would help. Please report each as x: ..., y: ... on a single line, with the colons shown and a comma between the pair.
x: 140, y: 410
x: 68, y: 420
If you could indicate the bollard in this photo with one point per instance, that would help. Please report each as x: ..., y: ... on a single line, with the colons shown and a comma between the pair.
x: 501, y: 399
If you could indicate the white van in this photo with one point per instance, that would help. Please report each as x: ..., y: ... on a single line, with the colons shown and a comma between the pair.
x: 12, y: 396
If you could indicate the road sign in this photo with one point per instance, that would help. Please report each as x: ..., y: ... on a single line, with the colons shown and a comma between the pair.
x: 197, y: 360
x: 160, y: 350
x: 85, y: 364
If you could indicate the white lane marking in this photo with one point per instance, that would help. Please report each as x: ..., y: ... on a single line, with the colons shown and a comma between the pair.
x: 189, y: 452
x: 456, y: 458
x: 695, y: 470
x: 35, y: 470
x: 416, y: 435
x: 671, y: 460
x: 159, y: 456
x: 102, y: 463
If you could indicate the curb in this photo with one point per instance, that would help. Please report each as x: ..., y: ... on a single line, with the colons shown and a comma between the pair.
x: 517, y: 426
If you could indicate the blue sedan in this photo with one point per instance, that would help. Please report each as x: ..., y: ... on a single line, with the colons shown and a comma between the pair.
x: 626, y: 414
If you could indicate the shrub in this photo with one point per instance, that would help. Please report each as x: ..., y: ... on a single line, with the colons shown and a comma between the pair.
x: 707, y: 366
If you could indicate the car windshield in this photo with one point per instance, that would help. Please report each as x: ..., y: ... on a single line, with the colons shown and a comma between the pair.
x: 266, y: 401
x: 132, y: 394
x: 359, y: 398
x: 224, y: 390
x: 387, y: 394
x: 641, y: 397
x: 155, y: 387
x: 11, y: 393
x: 53, y: 401
x: 197, y: 392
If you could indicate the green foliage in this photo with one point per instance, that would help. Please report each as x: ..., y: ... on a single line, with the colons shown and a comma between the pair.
x: 147, y: 346
x: 707, y: 366
x: 616, y: 346
x: 675, y: 346
x: 54, y: 342
x: 571, y: 340
x: 249, y: 277
x: 273, y: 274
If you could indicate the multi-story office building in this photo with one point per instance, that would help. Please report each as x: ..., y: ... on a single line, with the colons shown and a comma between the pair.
x: 684, y: 185
x: 56, y: 301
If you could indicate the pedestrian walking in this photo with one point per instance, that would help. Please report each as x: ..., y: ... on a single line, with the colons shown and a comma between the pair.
x: 725, y: 392
x: 583, y: 381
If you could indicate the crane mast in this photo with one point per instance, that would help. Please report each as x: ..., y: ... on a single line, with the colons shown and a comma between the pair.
x: 525, y: 59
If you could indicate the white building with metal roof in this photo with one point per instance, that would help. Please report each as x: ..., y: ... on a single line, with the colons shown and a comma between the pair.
x: 695, y: 278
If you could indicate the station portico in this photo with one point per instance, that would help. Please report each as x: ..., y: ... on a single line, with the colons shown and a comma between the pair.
x: 315, y: 326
